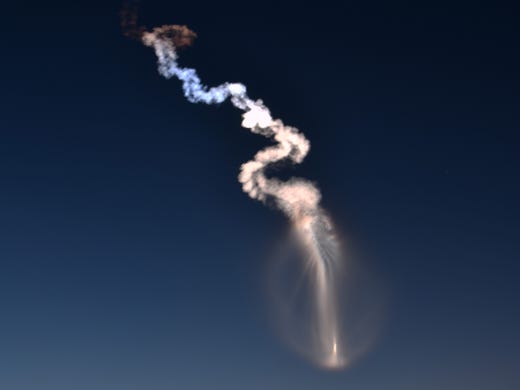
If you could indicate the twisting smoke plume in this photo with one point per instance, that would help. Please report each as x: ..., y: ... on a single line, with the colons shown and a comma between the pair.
x: 297, y: 198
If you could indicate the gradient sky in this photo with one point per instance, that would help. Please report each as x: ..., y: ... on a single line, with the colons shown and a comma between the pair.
x: 130, y: 258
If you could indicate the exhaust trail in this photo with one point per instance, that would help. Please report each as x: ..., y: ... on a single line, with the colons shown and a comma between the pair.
x: 297, y: 198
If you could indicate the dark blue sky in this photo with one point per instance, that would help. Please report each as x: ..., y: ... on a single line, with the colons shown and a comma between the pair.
x: 131, y: 259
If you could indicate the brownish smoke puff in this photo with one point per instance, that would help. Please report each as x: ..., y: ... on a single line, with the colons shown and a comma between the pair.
x: 181, y: 36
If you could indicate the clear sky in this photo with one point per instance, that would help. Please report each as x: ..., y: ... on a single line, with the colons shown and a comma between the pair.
x: 130, y: 259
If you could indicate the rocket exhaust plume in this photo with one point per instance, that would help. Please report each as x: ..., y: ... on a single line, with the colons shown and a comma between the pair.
x: 297, y: 198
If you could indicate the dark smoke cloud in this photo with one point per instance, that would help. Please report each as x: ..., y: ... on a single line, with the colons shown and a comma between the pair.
x: 129, y: 25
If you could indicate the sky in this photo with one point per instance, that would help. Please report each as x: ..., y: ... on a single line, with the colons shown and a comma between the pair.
x: 131, y: 259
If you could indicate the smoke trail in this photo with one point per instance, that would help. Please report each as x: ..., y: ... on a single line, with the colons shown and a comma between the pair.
x: 297, y: 198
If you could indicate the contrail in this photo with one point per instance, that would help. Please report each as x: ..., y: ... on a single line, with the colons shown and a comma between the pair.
x: 297, y: 198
